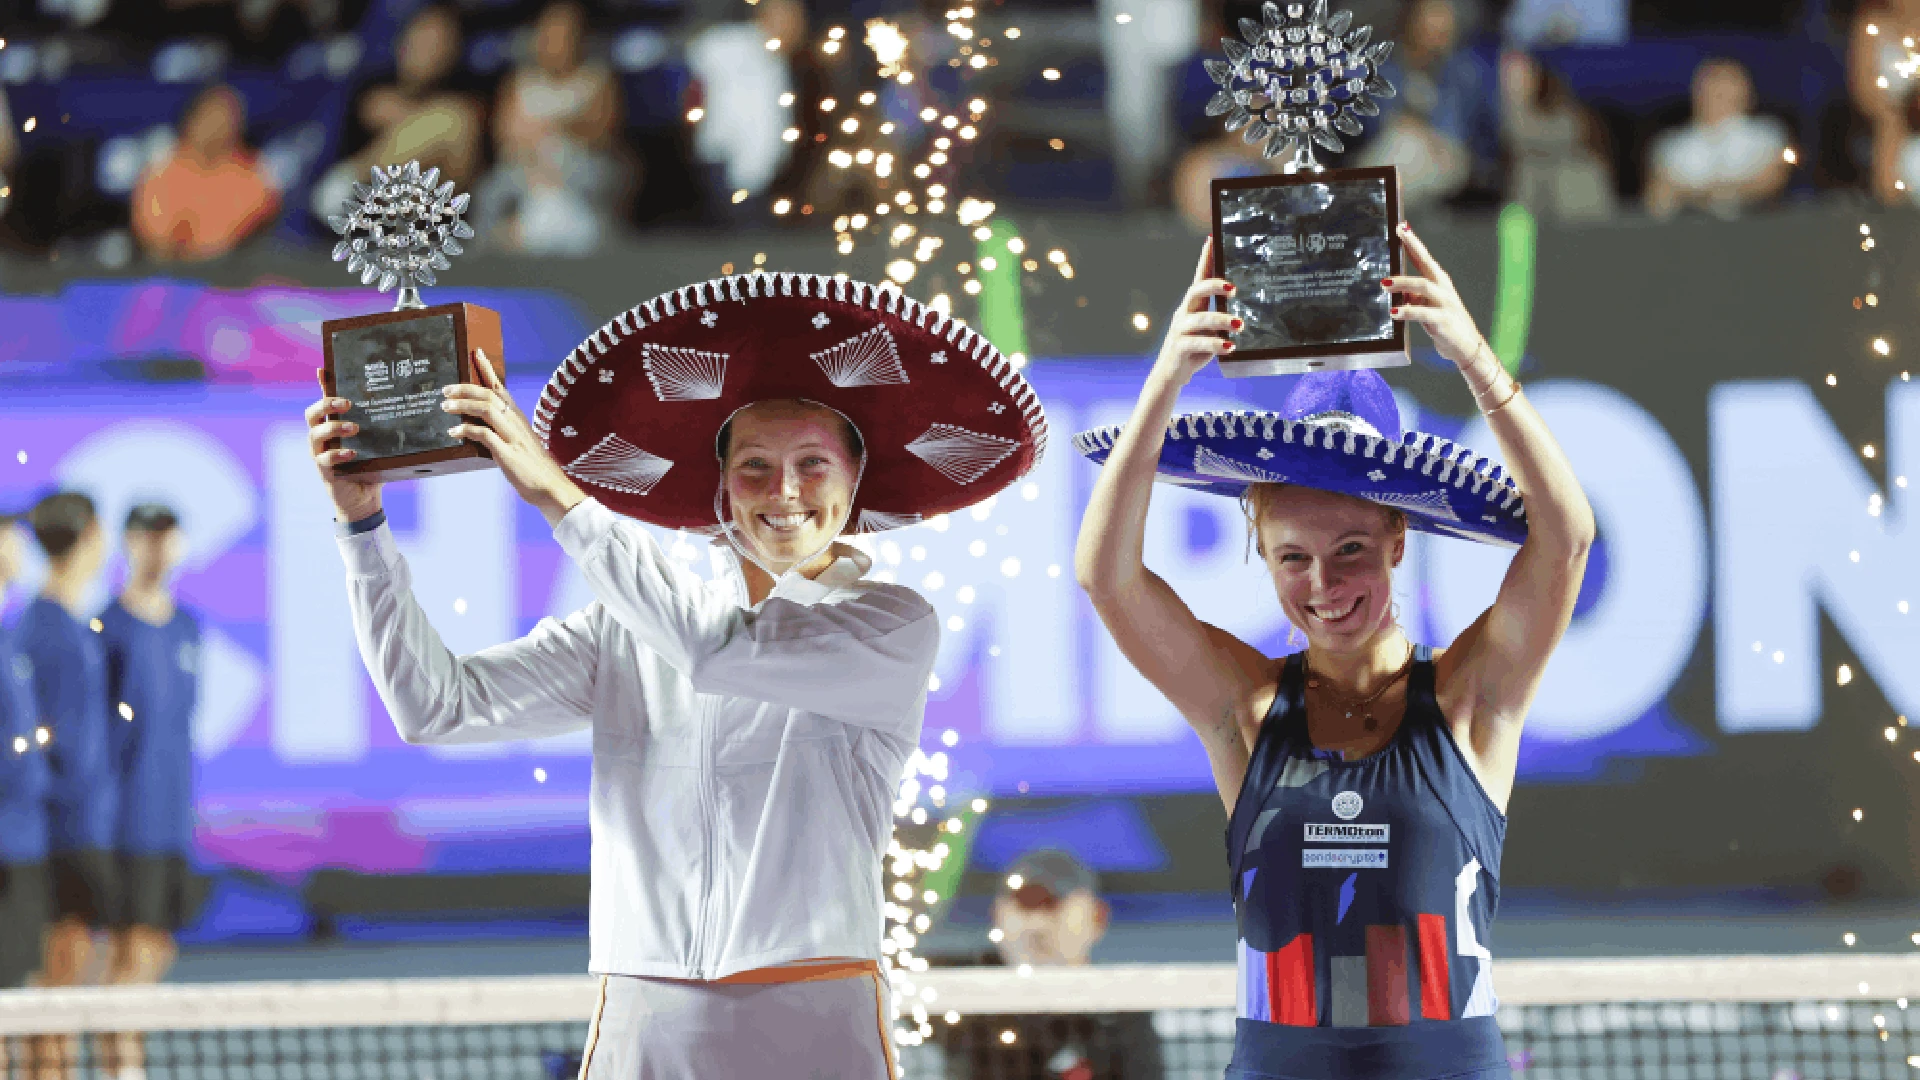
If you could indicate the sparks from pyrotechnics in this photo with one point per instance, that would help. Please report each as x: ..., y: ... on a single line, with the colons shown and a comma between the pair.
x: 912, y: 185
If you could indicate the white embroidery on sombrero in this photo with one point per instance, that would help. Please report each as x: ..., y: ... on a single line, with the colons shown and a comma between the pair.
x: 869, y: 359
x: 618, y: 465
x: 962, y: 456
x: 954, y: 333
x: 873, y: 521
x: 1212, y: 464
x: 1433, y: 504
x: 681, y: 374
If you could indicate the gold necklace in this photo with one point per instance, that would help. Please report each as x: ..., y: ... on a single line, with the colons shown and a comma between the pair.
x: 1364, y: 704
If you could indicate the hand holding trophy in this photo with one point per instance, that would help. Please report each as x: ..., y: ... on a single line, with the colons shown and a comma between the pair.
x: 393, y: 368
x: 1306, y: 251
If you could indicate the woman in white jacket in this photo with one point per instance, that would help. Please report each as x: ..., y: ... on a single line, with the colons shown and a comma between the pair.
x: 748, y: 733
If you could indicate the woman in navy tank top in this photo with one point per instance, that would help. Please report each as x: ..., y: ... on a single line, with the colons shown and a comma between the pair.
x: 1367, y: 777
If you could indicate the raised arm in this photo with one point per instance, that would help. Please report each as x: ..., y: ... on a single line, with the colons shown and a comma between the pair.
x: 541, y: 684
x: 1212, y: 677
x: 862, y: 660
x: 1490, y: 674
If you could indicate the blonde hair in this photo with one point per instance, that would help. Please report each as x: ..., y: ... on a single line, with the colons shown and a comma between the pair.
x: 1259, y: 496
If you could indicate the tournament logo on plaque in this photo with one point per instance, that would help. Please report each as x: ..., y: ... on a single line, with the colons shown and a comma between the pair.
x: 1306, y: 250
x: 393, y: 365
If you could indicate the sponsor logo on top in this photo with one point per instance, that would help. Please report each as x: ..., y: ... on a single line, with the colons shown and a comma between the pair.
x: 1347, y: 834
x: 1344, y: 858
x: 1347, y: 805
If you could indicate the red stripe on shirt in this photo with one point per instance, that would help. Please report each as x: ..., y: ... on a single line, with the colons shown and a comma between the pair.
x: 1436, y: 994
x: 1291, y: 997
x: 1387, y: 1001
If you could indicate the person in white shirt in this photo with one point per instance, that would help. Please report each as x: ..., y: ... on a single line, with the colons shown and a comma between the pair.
x: 1726, y: 159
x: 748, y: 733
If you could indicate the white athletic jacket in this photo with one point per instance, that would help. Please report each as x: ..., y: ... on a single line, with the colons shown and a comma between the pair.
x: 745, y: 760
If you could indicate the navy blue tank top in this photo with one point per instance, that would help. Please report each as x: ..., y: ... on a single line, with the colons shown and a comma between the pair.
x: 1364, y: 890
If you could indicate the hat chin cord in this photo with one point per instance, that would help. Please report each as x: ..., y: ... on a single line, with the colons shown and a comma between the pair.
x: 743, y: 546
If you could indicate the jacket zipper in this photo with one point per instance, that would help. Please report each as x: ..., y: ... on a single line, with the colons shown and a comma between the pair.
x: 702, y: 967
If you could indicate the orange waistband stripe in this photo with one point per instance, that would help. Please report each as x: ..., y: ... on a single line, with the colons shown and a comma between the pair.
x: 803, y: 971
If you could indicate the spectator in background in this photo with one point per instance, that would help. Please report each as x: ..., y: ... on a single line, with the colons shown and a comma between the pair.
x: 1223, y: 156
x: 1725, y: 160
x: 746, y: 91
x: 1885, y: 97
x: 1049, y: 913
x: 420, y: 115
x: 1440, y: 129
x: 210, y: 194
x: 800, y: 178
x: 555, y: 133
x: 23, y: 791
x: 153, y: 662
x: 1215, y: 152
x: 24, y: 889
x: 1560, y: 167
x: 70, y: 695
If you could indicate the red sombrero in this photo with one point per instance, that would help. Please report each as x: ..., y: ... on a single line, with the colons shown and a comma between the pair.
x: 633, y: 412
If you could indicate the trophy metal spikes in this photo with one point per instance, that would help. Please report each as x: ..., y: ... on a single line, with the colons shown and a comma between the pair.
x: 393, y: 367
x: 1301, y: 79
x: 401, y: 229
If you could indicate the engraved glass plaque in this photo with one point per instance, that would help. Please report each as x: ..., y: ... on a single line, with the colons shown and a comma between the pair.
x: 1306, y: 254
x: 394, y: 374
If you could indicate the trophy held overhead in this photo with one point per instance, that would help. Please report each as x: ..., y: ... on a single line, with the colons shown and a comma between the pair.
x: 394, y: 365
x: 1306, y: 251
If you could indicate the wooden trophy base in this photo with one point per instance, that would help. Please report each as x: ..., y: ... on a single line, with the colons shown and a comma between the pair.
x: 393, y: 366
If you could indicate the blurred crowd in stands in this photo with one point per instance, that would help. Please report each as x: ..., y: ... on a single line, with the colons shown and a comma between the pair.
x: 182, y: 129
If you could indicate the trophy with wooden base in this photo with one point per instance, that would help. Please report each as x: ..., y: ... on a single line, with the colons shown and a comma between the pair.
x: 393, y: 366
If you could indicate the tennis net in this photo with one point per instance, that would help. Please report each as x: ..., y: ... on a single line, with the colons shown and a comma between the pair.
x: 1772, y: 1018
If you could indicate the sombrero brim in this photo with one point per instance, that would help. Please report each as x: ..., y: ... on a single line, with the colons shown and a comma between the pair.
x: 1442, y: 487
x: 632, y: 413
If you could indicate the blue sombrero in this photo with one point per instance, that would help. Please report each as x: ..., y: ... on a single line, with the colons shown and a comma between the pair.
x: 1339, y: 432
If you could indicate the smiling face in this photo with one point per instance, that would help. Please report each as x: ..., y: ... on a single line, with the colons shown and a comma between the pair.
x: 790, y: 469
x: 1332, y: 559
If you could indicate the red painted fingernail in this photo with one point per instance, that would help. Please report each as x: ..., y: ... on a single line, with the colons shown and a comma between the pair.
x: 1386, y: 281
x: 1394, y: 311
x: 1229, y: 286
x: 1226, y: 346
x: 1237, y: 324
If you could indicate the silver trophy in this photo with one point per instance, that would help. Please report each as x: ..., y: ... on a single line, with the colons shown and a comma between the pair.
x: 401, y: 229
x: 1306, y: 249
x: 393, y: 365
